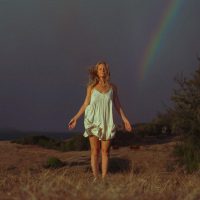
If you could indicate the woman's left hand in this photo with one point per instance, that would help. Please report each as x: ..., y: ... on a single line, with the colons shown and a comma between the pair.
x: 127, y: 125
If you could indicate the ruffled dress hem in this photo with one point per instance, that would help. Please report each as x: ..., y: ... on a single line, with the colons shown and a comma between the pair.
x: 95, y: 128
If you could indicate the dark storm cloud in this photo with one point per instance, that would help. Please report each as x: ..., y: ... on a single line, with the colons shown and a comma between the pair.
x: 47, y: 46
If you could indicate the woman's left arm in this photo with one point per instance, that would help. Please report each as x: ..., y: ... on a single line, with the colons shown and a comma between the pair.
x: 119, y: 109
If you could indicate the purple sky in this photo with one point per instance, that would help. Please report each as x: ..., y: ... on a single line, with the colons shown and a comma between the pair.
x: 46, y: 48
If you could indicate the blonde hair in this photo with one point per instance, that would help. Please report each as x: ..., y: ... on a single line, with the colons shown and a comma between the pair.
x: 93, y: 76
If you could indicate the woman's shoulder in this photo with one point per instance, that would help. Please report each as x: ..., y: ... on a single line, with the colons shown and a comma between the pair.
x: 90, y: 87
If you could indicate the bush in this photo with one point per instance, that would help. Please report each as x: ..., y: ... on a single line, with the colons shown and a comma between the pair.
x: 76, y: 143
x: 153, y: 129
x: 189, y: 156
x: 36, y: 139
x: 186, y: 120
x: 53, y: 162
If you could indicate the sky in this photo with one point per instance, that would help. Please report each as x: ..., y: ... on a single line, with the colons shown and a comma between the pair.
x: 46, y: 48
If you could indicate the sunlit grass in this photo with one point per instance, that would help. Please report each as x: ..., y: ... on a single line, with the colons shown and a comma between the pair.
x: 76, y: 183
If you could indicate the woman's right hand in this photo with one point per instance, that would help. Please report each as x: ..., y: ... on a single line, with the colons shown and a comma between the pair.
x: 72, y: 123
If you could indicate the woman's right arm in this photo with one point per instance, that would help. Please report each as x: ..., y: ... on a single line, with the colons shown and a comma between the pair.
x: 85, y: 104
x: 73, y: 121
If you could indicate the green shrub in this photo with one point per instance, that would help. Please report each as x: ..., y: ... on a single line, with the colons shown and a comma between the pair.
x: 53, y: 162
x: 76, y: 143
x: 186, y: 120
x: 189, y: 156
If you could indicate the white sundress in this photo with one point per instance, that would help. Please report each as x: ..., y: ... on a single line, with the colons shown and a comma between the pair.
x: 98, y: 118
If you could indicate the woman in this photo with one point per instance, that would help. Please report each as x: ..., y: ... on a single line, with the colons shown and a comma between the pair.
x: 98, y: 120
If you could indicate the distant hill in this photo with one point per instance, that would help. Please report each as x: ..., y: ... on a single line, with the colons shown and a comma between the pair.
x: 10, y: 134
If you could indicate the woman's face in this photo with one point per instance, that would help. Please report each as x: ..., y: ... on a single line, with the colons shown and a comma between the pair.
x: 101, y: 71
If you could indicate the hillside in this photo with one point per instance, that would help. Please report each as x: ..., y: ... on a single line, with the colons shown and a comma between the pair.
x: 149, y: 172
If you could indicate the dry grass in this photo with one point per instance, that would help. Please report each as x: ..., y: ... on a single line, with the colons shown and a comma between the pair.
x: 147, y: 173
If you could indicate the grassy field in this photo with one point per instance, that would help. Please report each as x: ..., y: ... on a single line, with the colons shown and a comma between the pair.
x: 149, y: 172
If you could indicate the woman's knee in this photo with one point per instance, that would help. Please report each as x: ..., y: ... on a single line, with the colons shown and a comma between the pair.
x: 105, y: 151
x: 95, y: 151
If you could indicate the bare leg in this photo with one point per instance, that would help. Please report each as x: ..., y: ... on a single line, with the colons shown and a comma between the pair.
x: 105, y: 148
x: 95, y: 149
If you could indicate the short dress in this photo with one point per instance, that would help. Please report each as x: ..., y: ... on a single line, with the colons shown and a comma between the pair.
x: 98, y: 117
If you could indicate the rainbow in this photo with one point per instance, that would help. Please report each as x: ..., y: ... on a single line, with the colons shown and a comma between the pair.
x: 156, y: 41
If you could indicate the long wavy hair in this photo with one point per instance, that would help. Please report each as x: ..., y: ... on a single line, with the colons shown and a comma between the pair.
x: 93, y: 76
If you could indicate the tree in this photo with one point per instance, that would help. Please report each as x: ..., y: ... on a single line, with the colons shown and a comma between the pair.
x: 187, y: 105
x: 186, y: 119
